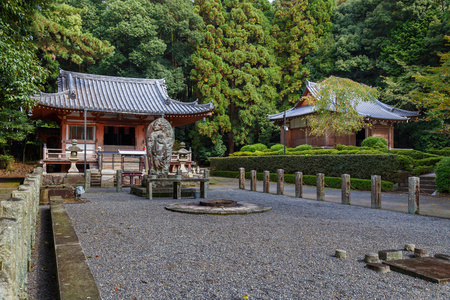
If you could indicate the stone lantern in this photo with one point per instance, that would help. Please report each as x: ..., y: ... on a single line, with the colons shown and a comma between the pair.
x: 74, y: 149
x: 183, y: 157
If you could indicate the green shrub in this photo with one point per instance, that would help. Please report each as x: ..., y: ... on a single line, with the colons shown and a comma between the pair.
x: 430, y: 161
x: 413, y: 153
x: 442, y: 152
x: 340, y: 147
x: 332, y: 182
x: 358, y: 166
x: 356, y: 148
x: 259, y: 147
x: 443, y: 175
x: 419, y: 170
x: 350, y: 152
x: 6, y: 162
x: 242, y: 154
x: 374, y: 142
x: 248, y: 148
x: 319, y: 151
x: 303, y: 147
x: 276, y: 147
x: 406, y: 163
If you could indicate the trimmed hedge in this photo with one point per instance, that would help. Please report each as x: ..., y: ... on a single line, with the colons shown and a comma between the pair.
x: 374, y: 142
x: 332, y: 182
x: 441, y: 152
x: 443, y: 176
x: 254, y: 148
x: 415, y: 154
x: 358, y: 166
x: 276, y: 147
x: 430, y: 161
x: 419, y: 170
x: 303, y: 147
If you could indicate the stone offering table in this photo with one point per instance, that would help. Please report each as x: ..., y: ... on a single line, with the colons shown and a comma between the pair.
x: 177, y: 185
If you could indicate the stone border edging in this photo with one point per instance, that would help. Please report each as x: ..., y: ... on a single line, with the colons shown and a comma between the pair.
x: 194, y: 208
x: 18, y: 216
x: 75, y: 280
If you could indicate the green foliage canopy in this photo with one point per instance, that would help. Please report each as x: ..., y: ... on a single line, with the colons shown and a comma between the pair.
x: 235, y: 67
x: 20, y: 72
x: 296, y: 26
x: 335, y: 106
x: 152, y: 39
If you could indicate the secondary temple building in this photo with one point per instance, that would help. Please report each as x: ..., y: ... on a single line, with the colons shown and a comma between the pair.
x: 380, y: 116
x: 117, y: 112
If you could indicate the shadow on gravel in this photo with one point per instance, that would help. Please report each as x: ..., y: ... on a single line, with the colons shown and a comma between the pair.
x: 42, y: 279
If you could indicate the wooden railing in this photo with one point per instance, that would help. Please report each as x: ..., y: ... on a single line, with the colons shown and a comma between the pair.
x: 55, y: 154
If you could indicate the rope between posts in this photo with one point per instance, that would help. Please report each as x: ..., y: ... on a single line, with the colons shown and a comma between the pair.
x: 229, y: 180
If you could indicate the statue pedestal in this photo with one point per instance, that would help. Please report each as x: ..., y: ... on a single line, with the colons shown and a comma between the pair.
x: 73, y: 166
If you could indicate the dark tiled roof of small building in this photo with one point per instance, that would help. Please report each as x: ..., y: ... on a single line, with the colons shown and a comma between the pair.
x: 79, y: 91
x: 373, y: 109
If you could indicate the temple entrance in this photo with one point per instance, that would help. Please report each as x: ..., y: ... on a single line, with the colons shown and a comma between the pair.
x: 360, y: 136
x: 121, y: 136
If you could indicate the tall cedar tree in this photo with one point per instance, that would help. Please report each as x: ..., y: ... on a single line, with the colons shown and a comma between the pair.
x: 235, y: 68
x: 297, y: 26
x: 58, y: 32
x: 152, y: 39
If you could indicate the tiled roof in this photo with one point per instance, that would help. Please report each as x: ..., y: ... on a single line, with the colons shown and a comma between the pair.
x: 79, y: 91
x: 372, y: 110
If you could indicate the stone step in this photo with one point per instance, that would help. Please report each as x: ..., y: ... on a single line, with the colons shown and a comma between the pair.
x: 427, y: 179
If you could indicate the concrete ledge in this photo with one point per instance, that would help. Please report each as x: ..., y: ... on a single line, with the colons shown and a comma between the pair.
x: 75, y: 279
x: 162, y: 192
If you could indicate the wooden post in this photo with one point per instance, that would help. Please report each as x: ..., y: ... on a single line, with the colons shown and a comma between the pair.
x: 280, y: 182
x: 242, y: 178
x: 119, y: 181
x: 266, y: 181
x: 253, y: 180
x: 298, y: 184
x: 320, y: 183
x: 345, y: 178
x: 87, y: 181
x: 204, y: 185
x: 149, y: 186
x: 413, y: 195
x: 177, y: 186
x: 376, y: 191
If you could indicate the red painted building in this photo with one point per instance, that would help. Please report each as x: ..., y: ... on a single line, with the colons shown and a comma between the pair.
x: 380, y: 116
x: 117, y: 111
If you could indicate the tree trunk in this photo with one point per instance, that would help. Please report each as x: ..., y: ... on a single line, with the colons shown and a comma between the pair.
x: 230, y: 142
x: 230, y: 134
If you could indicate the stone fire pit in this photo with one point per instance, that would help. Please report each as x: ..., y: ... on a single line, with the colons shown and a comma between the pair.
x: 218, y: 207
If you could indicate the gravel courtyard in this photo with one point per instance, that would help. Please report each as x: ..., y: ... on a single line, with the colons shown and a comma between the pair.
x: 138, y: 250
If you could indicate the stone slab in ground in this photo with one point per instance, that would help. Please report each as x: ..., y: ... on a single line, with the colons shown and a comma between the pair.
x: 427, y: 268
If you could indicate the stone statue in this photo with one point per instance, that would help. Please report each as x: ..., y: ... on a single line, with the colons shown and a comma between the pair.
x: 160, y: 138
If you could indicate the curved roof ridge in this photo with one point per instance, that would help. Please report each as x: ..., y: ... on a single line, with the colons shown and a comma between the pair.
x: 80, y: 91
x: 51, y: 94
x: 398, y: 111
x: 111, y: 78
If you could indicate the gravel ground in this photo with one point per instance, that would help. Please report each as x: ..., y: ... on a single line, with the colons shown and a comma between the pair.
x: 138, y: 250
x: 42, y: 282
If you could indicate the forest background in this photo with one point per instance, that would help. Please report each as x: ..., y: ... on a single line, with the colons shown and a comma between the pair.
x: 250, y: 57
